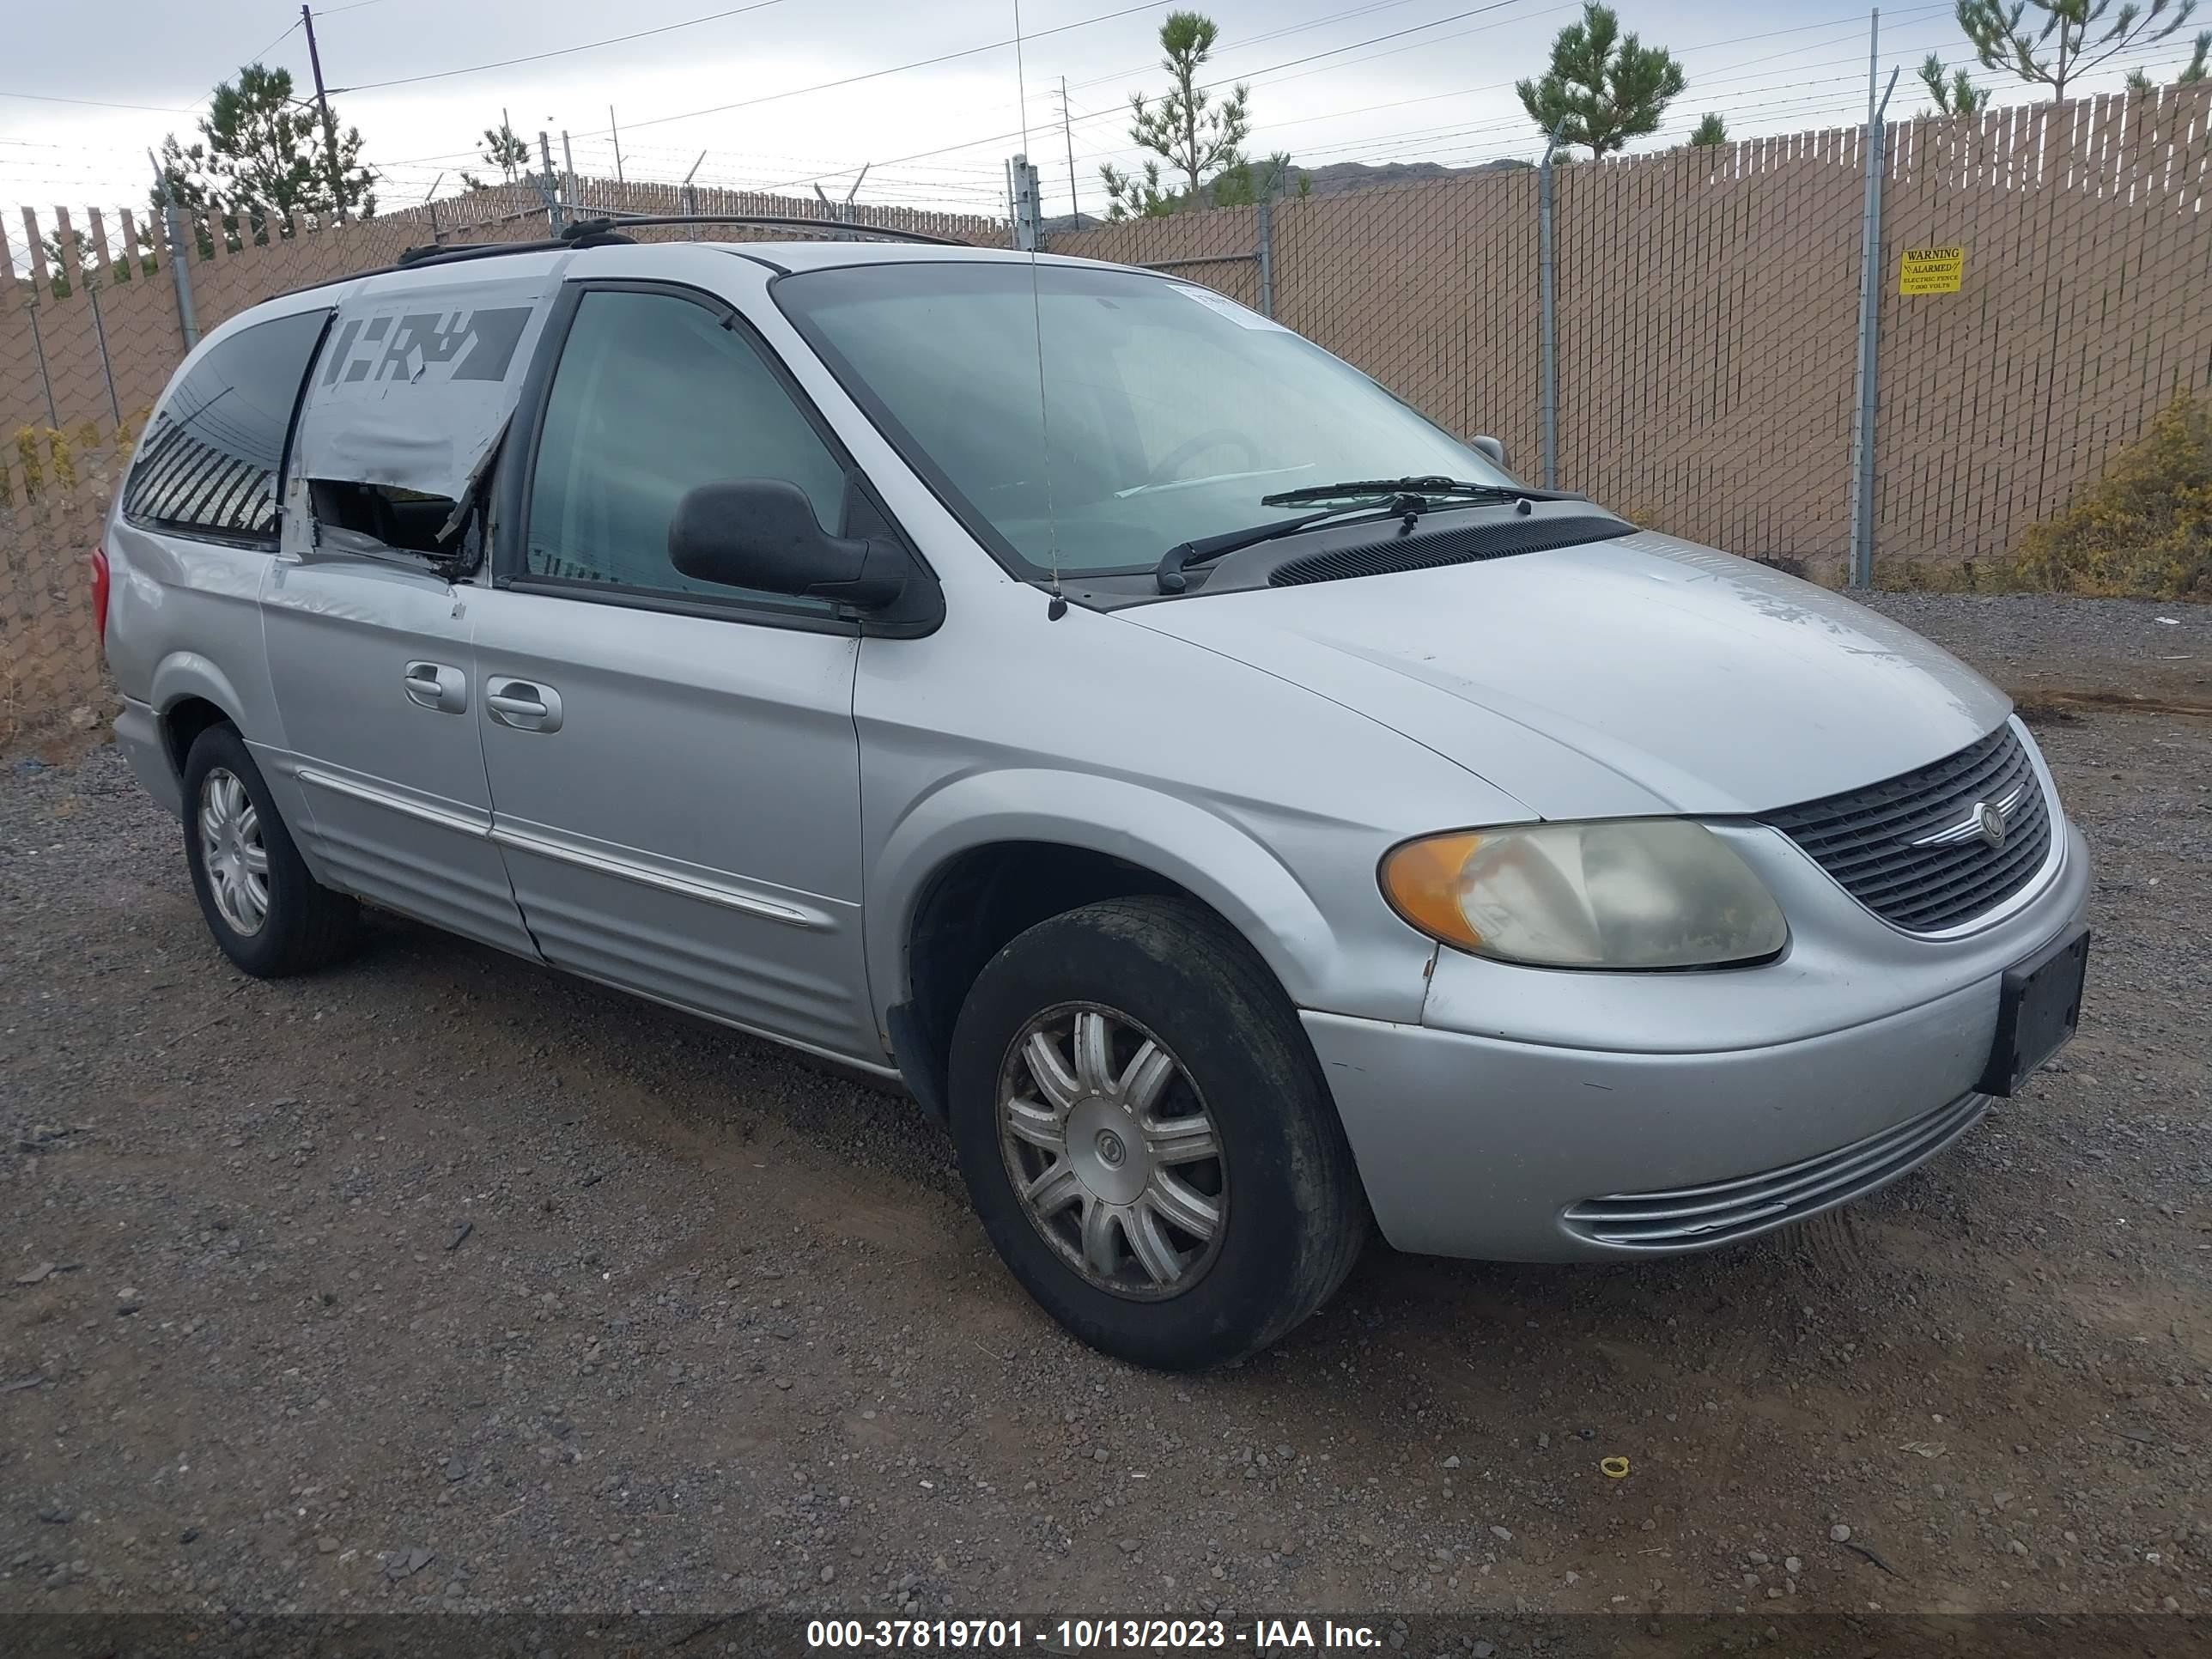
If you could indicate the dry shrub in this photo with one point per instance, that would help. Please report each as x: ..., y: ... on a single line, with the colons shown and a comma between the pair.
x: 26, y: 451
x: 2145, y: 528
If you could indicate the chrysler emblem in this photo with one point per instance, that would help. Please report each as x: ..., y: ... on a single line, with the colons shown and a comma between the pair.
x: 1991, y: 820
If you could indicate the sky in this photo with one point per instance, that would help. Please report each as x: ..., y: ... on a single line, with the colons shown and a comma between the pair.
x: 749, y: 96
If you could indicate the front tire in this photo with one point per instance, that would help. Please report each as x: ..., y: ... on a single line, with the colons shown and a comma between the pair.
x: 270, y: 916
x: 1147, y: 1138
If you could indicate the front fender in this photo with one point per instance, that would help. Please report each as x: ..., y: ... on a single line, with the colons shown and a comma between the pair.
x: 1319, y: 964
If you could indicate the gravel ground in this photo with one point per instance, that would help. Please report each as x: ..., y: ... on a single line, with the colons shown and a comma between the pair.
x: 2054, y: 652
x: 443, y: 1281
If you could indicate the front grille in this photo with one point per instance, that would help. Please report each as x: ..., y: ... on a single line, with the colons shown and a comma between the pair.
x: 1688, y: 1218
x: 1865, y: 838
x: 1465, y: 544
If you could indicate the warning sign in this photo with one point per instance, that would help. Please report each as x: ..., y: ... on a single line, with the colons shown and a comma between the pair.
x: 1932, y: 270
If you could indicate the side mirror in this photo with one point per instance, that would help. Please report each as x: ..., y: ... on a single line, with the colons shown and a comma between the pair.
x: 762, y: 533
x: 1492, y: 448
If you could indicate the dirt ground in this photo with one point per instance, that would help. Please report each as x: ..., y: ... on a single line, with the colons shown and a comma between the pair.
x: 442, y: 1281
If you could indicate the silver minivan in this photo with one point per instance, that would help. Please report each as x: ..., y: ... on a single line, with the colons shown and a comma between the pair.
x: 1245, y: 812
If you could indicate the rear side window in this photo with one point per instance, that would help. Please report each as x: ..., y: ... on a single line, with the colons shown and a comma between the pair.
x: 210, y: 463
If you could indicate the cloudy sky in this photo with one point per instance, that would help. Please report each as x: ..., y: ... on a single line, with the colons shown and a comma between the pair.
x: 758, y: 90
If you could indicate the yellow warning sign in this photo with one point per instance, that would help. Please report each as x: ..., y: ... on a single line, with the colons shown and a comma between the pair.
x: 1932, y: 270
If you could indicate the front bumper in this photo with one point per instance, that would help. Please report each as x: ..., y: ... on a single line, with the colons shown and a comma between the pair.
x: 1639, y: 1114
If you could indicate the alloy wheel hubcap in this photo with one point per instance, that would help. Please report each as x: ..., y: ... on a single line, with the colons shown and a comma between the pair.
x: 232, y: 851
x: 1112, y: 1151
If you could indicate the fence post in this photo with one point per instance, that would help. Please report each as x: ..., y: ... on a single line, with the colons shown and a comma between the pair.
x: 553, y: 221
x: 188, y: 323
x: 1265, y: 249
x: 45, y: 376
x: 691, y: 195
x: 1029, y: 228
x: 1548, y: 333
x: 100, y: 335
x: 1861, y: 562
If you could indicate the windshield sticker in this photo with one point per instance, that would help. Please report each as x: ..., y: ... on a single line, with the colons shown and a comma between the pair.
x: 1240, y: 315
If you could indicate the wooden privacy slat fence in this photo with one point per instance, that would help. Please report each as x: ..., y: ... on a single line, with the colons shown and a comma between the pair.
x: 1708, y: 318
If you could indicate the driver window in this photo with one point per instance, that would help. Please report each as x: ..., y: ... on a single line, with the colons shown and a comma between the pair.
x: 653, y: 397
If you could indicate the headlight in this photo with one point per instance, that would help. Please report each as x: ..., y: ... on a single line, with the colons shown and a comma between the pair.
x: 1621, y: 893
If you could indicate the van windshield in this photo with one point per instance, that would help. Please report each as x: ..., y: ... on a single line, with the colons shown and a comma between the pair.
x: 1167, y: 411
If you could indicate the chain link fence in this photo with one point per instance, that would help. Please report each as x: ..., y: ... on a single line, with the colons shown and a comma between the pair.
x: 1707, y: 318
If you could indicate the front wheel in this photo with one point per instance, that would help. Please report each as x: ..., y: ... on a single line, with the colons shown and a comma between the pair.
x: 1147, y: 1138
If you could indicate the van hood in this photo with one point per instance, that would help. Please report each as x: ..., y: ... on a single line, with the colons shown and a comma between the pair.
x: 1630, y: 677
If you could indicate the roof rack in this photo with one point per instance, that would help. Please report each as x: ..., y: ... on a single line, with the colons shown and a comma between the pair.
x: 606, y: 231
x: 439, y: 253
x: 608, y: 224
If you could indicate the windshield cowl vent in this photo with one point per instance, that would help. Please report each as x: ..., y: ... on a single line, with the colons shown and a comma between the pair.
x: 1461, y: 543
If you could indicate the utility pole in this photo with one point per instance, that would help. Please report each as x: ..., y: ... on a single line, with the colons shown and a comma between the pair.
x: 1067, y: 134
x: 568, y: 171
x: 330, y: 127
x: 617, y: 132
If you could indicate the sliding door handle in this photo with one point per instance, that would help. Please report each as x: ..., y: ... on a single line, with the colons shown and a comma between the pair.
x: 525, y: 705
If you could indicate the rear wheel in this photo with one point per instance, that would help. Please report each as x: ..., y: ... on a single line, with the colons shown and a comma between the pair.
x: 1147, y: 1138
x: 267, y: 913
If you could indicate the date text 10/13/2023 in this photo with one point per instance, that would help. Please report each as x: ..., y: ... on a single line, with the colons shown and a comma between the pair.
x: 1074, y: 1636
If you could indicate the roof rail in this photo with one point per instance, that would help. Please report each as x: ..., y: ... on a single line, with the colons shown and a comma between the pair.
x: 606, y: 231
x: 611, y: 222
x: 433, y: 253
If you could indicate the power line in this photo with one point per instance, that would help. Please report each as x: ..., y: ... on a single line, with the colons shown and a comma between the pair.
x: 271, y: 47
x: 559, y: 52
x: 898, y: 68
x: 95, y: 103
x: 1355, y: 46
x: 1494, y: 5
x: 1507, y: 122
x: 1844, y: 103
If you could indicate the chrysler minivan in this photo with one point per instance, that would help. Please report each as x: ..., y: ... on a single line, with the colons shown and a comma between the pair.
x: 1245, y: 812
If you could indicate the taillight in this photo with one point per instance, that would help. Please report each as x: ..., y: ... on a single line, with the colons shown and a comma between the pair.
x: 100, y: 582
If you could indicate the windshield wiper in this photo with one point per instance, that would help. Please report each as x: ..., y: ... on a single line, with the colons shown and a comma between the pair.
x: 1425, y: 488
x: 1183, y: 555
x: 1386, y: 497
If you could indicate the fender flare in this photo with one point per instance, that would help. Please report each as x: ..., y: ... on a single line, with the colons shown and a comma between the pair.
x: 1213, y: 858
x: 182, y: 674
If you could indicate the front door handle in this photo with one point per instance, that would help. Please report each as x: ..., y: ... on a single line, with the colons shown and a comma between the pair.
x: 523, y: 704
x: 435, y: 685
